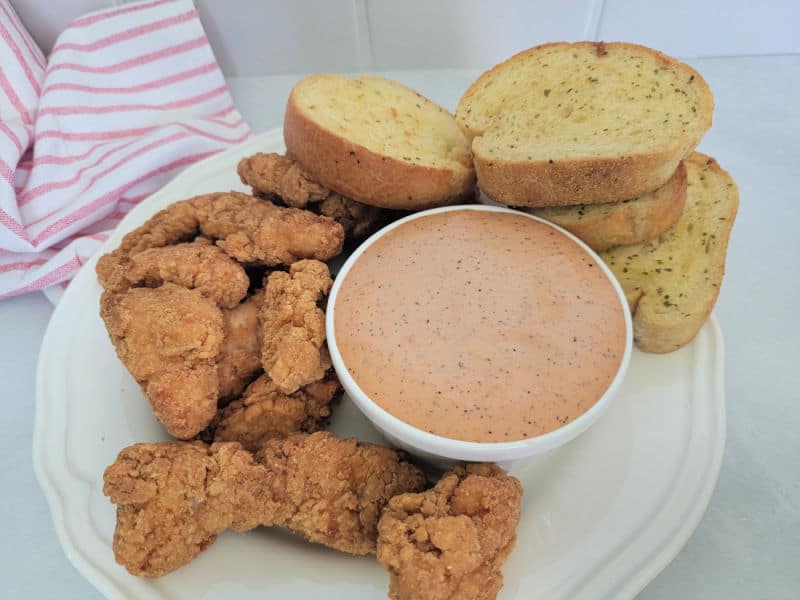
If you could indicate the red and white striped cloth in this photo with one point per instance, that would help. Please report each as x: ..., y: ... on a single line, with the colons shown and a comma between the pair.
x: 128, y: 97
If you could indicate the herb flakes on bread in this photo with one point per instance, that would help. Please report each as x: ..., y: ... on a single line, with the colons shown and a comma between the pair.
x: 589, y: 122
x: 672, y: 283
x: 377, y: 142
x: 603, y: 226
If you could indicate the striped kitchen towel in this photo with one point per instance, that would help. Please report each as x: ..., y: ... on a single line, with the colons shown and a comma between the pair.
x: 128, y: 97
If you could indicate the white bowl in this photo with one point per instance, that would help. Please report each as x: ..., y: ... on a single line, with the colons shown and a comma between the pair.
x: 443, y: 452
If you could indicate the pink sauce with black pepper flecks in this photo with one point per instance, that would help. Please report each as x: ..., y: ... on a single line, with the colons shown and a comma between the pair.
x: 480, y: 326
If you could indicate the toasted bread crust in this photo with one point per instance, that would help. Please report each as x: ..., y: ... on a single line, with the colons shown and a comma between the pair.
x: 671, y: 303
x: 562, y: 183
x: 630, y: 222
x: 563, y: 180
x: 367, y: 176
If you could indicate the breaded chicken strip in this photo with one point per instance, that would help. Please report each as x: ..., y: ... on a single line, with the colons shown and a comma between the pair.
x: 169, y: 339
x: 264, y: 412
x: 239, y: 359
x: 450, y: 541
x: 293, y: 325
x: 248, y: 229
x: 272, y: 174
x: 174, y: 498
x: 184, y: 351
x: 275, y: 176
x: 195, y: 265
x: 332, y: 491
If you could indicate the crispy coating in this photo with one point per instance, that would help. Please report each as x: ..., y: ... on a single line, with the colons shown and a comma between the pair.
x: 239, y: 359
x: 275, y: 176
x: 173, y: 498
x: 293, y: 325
x: 184, y: 351
x: 334, y: 490
x: 250, y: 230
x: 450, y: 541
x: 245, y: 229
x: 195, y: 265
x: 264, y: 412
x: 169, y: 338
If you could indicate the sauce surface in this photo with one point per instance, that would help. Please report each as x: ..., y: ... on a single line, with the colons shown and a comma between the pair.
x: 479, y: 326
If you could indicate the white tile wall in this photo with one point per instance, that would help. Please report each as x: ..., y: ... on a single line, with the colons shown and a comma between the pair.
x: 277, y: 36
x: 705, y: 27
x: 252, y: 37
x: 469, y: 33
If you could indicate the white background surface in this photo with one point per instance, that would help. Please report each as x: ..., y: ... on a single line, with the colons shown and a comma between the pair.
x: 748, y: 544
x: 266, y: 37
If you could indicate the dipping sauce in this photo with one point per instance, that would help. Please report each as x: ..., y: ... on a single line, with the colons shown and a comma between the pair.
x: 480, y: 326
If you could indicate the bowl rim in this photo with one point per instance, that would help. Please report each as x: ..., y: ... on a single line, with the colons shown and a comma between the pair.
x: 461, y: 449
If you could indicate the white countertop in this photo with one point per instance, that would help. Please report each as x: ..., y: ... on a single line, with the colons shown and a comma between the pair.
x: 748, y: 543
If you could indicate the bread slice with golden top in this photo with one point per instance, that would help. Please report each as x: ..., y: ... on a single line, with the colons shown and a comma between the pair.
x: 603, y: 226
x: 672, y: 283
x: 378, y: 142
x: 591, y: 122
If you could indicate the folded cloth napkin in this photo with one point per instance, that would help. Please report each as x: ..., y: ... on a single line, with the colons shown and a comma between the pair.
x: 128, y: 97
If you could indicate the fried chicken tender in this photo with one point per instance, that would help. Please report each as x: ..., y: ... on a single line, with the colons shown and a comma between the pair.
x: 264, y: 412
x: 169, y: 338
x: 239, y: 359
x: 184, y: 351
x: 250, y: 230
x: 195, y: 265
x: 333, y: 491
x: 173, y: 498
x: 450, y: 541
x: 275, y: 176
x: 293, y: 325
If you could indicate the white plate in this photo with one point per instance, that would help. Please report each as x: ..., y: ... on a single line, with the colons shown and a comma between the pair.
x: 600, y: 519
